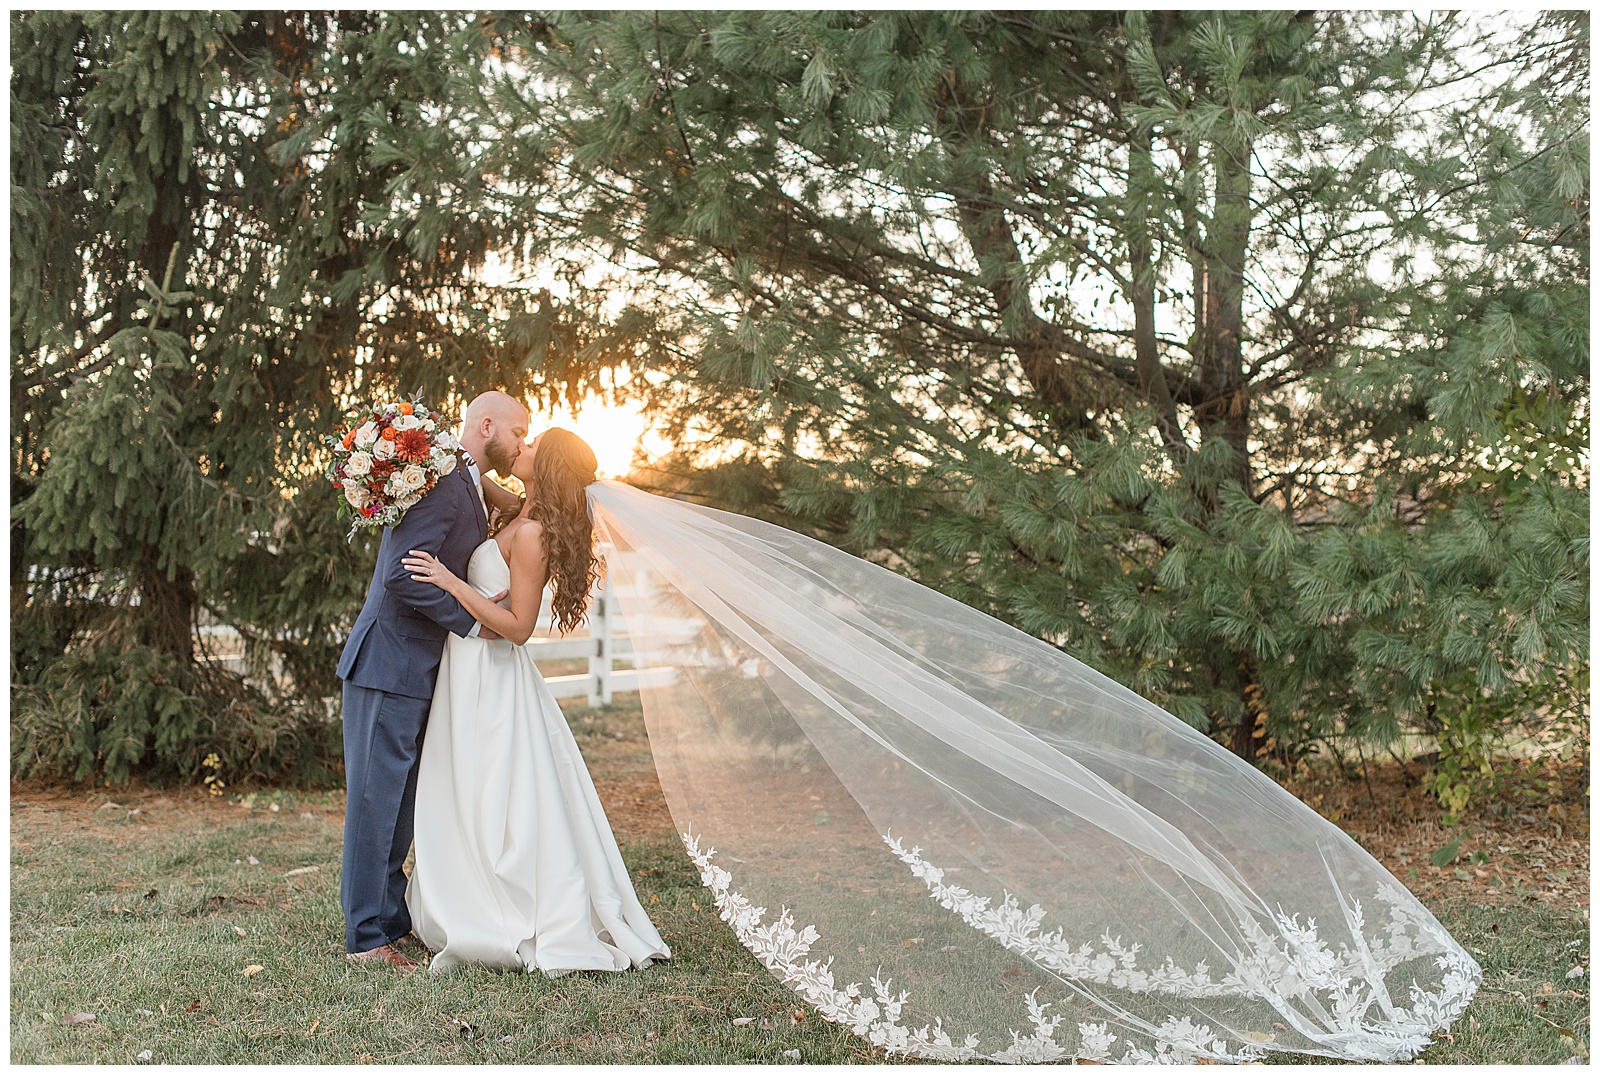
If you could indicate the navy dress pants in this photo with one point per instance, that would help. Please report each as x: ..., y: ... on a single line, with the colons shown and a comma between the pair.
x: 382, y: 748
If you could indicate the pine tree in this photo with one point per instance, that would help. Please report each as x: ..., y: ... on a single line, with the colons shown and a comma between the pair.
x: 1242, y: 355
x: 226, y: 229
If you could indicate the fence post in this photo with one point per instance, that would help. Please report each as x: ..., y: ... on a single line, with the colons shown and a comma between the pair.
x: 600, y: 656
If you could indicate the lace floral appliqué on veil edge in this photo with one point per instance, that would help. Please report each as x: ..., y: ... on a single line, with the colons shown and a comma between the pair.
x: 1270, y: 971
x: 1304, y: 964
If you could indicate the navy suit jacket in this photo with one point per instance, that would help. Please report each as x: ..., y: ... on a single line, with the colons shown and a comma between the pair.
x: 398, y: 639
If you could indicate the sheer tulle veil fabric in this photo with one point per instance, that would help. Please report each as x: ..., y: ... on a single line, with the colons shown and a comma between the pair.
x: 962, y: 843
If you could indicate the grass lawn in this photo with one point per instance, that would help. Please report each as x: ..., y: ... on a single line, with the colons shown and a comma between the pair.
x: 204, y: 930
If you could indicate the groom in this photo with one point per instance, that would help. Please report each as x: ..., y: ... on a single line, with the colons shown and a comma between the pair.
x: 389, y: 665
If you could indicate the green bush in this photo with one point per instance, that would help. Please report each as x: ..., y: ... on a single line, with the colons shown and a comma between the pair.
x: 102, y: 713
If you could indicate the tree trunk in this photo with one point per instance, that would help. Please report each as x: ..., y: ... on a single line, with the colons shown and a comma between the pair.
x: 1147, y: 356
x: 1226, y: 412
x: 164, y: 619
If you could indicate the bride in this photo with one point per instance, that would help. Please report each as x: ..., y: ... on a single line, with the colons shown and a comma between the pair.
x: 516, y: 866
x: 944, y: 834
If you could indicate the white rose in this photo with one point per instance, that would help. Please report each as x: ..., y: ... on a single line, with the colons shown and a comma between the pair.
x: 394, y: 487
x: 359, y: 465
x: 366, y: 435
x: 428, y: 425
x: 406, y: 503
x: 384, y: 449
x: 447, y: 441
x: 407, y: 421
x: 357, y: 494
x: 446, y: 463
x: 412, y: 478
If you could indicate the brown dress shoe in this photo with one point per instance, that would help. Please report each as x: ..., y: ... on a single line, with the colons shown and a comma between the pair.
x: 384, y: 953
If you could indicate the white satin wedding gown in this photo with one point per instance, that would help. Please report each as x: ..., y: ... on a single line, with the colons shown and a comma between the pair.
x: 516, y: 864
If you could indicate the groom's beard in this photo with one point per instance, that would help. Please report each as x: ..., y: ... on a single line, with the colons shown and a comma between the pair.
x: 500, y: 453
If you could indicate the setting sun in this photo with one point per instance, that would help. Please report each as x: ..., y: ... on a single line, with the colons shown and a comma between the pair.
x: 614, y: 432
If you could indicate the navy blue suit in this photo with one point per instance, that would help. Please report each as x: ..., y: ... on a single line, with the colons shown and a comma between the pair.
x: 389, y: 666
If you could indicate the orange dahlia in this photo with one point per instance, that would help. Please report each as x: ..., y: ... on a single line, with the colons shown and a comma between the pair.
x: 412, y: 445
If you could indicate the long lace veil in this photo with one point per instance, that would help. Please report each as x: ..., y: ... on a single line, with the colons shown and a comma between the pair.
x: 962, y: 843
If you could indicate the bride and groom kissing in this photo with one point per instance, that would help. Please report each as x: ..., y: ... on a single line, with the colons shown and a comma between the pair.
x: 452, y: 739
x: 789, y: 674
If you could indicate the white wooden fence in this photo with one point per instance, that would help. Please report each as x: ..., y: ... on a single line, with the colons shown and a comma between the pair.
x: 603, y: 645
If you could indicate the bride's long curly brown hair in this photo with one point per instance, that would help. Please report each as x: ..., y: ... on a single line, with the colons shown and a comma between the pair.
x: 562, y: 466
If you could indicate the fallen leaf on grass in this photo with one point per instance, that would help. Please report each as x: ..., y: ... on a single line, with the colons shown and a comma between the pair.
x: 308, y: 816
x: 144, y: 1057
x: 301, y: 870
x: 252, y: 970
x: 112, y: 806
x: 252, y: 860
x: 766, y: 1024
x: 150, y: 895
x: 313, y: 1030
x: 464, y: 1028
x: 506, y: 1040
x: 792, y: 1054
x: 744, y: 1020
x: 74, y: 1018
x: 194, y: 1007
x: 1577, y: 972
x: 143, y: 1011
x: 1448, y: 853
x: 650, y: 1035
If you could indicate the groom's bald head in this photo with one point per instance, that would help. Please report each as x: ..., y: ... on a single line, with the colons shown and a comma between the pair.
x: 493, y: 430
x: 494, y: 404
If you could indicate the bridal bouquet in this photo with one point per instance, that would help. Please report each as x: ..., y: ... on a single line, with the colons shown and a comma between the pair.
x: 389, y: 458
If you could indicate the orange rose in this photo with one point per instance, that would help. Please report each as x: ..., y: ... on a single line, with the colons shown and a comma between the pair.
x: 405, y: 408
x: 349, y: 438
x: 388, y: 434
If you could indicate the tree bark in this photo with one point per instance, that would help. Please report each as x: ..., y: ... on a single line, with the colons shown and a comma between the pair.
x: 1226, y: 412
x: 164, y: 618
x: 1147, y: 355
